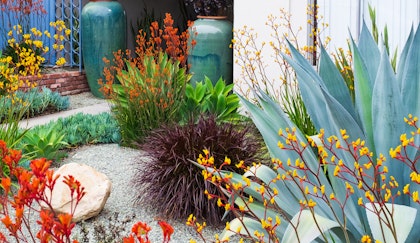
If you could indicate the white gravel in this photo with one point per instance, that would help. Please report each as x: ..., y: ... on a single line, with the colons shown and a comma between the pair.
x: 118, y: 164
x: 120, y: 213
x: 84, y: 99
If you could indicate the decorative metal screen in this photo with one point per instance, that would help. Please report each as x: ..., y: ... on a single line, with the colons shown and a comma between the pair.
x: 70, y: 12
x: 67, y: 10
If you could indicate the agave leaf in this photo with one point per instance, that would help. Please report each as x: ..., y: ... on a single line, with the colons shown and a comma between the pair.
x: 306, y: 224
x: 241, y: 226
x: 200, y: 91
x: 335, y: 83
x: 410, y: 75
x: 403, y: 57
x: 388, y: 112
x: 269, y: 120
x: 219, y: 87
x: 363, y: 94
x: 409, y: 78
x: 403, y: 216
x: 262, y: 212
x: 322, y: 106
x: 369, y: 51
x: 319, y: 102
x: 268, y: 124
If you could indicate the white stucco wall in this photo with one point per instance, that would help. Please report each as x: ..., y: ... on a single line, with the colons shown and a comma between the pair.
x: 345, y: 17
x: 253, y: 14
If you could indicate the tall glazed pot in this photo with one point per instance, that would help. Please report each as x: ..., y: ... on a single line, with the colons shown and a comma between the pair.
x: 211, y: 54
x: 103, y: 28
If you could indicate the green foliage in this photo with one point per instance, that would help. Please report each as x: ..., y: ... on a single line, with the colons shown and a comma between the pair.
x: 43, y: 142
x: 76, y: 130
x: 173, y: 184
x: 144, y: 23
x: 82, y: 129
x: 43, y: 100
x: 37, y: 101
x: 146, y: 99
x: 10, y: 116
x: 206, y: 99
x: 375, y: 33
x: 293, y: 105
x: 343, y: 62
x: 359, y: 146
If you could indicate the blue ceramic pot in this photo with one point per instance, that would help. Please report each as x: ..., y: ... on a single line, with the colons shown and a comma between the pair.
x: 211, y: 56
x: 103, y: 28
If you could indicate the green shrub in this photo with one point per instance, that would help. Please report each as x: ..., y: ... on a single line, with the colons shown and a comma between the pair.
x: 146, y: 99
x: 82, y: 129
x: 206, y: 99
x: 172, y: 183
x: 76, y: 130
x: 43, y: 142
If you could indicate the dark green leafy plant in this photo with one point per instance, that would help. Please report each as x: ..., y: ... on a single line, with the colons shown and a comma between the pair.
x: 172, y: 183
x: 43, y: 142
x: 206, y: 99
x: 143, y: 23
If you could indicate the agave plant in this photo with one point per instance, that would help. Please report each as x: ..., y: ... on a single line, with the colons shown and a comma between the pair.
x: 343, y: 192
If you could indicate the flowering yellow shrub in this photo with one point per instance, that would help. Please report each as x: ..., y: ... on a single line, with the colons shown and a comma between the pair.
x: 8, y: 79
x: 28, y: 50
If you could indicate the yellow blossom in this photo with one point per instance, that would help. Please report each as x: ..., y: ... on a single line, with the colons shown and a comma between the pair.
x: 366, y: 239
x: 415, y: 196
x: 415, y: 177
x: 369, y: 196
x: 406, y: 189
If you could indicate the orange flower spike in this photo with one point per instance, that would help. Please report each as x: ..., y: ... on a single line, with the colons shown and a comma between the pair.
x: 66, y: 224
x: 74, y: 186
x: 40, y: 167
x: 2, y: 237
x: 7, y: 221
x: 3, y: 148
x: 129, y: 239
x: 167, y: 229
x: 15, y: 155
x: 5, y: 184
x: 140, y: 228
x: 50, y: 179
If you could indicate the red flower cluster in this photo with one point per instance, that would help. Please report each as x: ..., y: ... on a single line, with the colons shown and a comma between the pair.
x: 31, y: 192
x: 140, y: 231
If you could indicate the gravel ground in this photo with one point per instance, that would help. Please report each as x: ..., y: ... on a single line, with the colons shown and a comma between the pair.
x: 120, y: 212
x: 84, y: 99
